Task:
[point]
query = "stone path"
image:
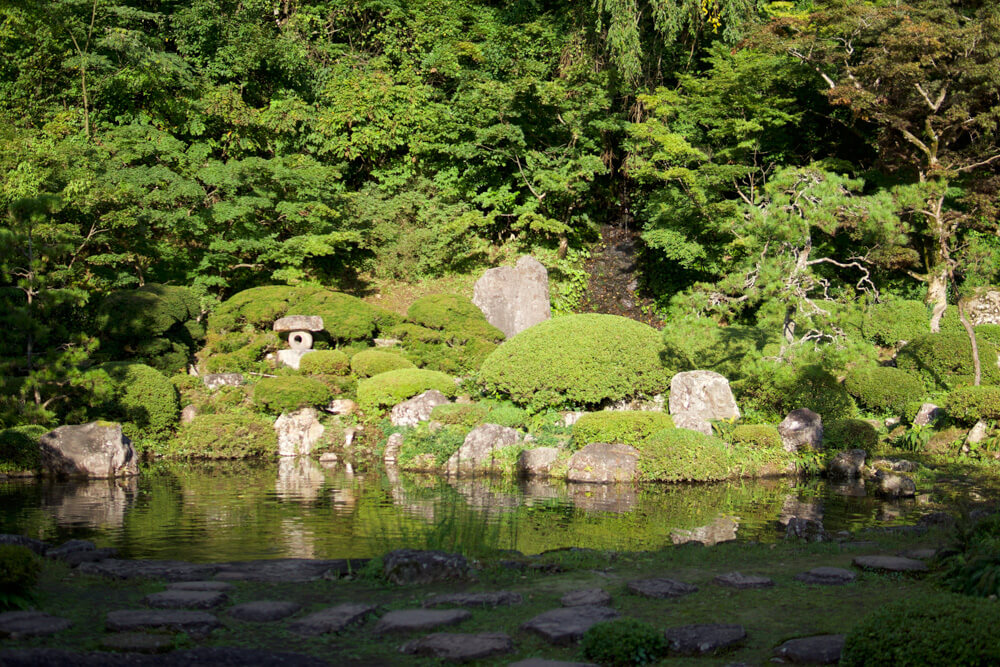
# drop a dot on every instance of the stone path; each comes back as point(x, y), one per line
point(661, 588)
point(460, 647)
point(18, 624)
point(264, 611)
point(494, 599)
point(332, 619)
point(702, 639)
point(567, 625)
point(743, 582)
point(827, 576)
point(412, 620)
point(588, 596)
point(821, 649)
point(191, 622)
point(184, 599)
point(890, 564)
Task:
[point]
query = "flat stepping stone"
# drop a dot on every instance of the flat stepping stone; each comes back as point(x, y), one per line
point(18, 624)
point(231, 656)
point(588, 596)
point(138, 642)
point(920, 554)
point(743, 581)
point(457, 647)
point(168, 570)
point(702, 639)
point(204, 586)
point(661, 588)
point(890, 564)
point(817, 650)
point(566, 625)
point(827, 576)
point(284, 570)
point(180, 599)
point(494, 599)
point(264, 611)
point(174, 620)
point(542, 662)
point(412, 620)
point(332, 619)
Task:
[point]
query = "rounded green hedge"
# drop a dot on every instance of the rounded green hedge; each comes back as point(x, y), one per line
point(456, 315)
point(19, 450)
point(388, 389)
point(850, 434)
point(932, 629)
point(462, 414)
point(507, 414)
point(19, 570)
point(944, 360)
point(884, 388)
point(682, 455)
point(762, 436)
point(147, 312)
point(577, 360)
point(226, 435)
point(369, 363)
point(290, 393)
point(968, 405)
point(144, 398)
point(325, 362)
point(889, 323)
point(623, 642)
point(614, 426)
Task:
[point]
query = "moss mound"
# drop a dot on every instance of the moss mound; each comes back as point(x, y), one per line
point(325, 362)
point(816, 388)
point(577, 360)
point(968, 405)
point(892, 322)
point(290, 393)
point(19, 570)
point(756, 435)
point(144, 399)
point(682, 455)
point(388, 389)
point(459, 318)
point(850, 434)
point(627, 428)
point(372, 362)
point(239, 352)
point(944, 360)
point(229, 435)
point(622, 642)
point(884, 389)
point(19, 449)
point(468, 415)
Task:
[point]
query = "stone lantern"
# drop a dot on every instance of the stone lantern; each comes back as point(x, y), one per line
point(300, 329)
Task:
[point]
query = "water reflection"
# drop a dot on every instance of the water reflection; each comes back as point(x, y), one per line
point(95, 504)
point(300, 479)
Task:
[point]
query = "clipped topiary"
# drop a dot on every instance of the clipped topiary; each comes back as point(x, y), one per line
point(850, 434)
point(884, 389)
point(932, 629)
point(682, 455)
point(455, 315)
point(622, 642)
point(290, 393)
point(325, 362)
point(577, 360)
point(613, 426)
point(226, 435)
point(145, 400)
point(893, 322)
point(507, 414)
point(944, 360)
point(388, 389)
point(762, 436)
point(19, 451)
point(967, 405)
point(372, 362)
point(19, 570)
point(461, 414)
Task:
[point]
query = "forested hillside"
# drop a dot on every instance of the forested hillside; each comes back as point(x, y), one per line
point(784, 161)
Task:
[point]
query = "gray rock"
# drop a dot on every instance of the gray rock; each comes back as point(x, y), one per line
point(983, 307)
point(827, 576)
point(298, 323)
point(693, 422)
point(702, 639)
point(137, 642)
point(18, 624)
point(604, 463)
point(413, 620)
point(799, 528)
point(34, 545)
point(703, 394)
point(927, 415)
point(920, 554)
point(411, 566)
point(391, 453)
point(96, 450)
point(977, 434)
point(417, 409)
point(566, 625)
point(537, 462)
point(895, 465)
point(387, 342)
point(284, 570)
point(458, 647)
point(214, 381)
point(891, 485)
point(570, 418)
point(300, 341)
point(721, 530)
point(69, 548)
point(660, 588)
point(181, 599)
point(817, 650)
point(597, 597)
point(298, 432)
point(514, 298)
point(169, 570)
point(231, 656)
point(742, 582)
point(204, 586)
point(342, 406)
point(889, 564)
point(802, 428)
point(264, 611)
point(198, 623)
point(189, 413)
point(332, 619)
point(478, 451)
point(494, 599)
point(847, 465)
point(89, 556)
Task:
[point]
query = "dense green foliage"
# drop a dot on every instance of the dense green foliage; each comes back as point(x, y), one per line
point(425, 448)
point(577, 360)
point(325, 362)
point(849, 434)
point(388, 389)
point(761, 436)
point(682, 455)
point(372, 362)
point(19, 451)
point(19, 570)
point(228, 435)
point(968, 405)
point(944, 360)
point(143, 399)
point(971, 563)
point(623, 642)
point(290, 393)
point(893, 322)
point(615, 426)
point(883, 389)
point(467, 415)
point(457, 316)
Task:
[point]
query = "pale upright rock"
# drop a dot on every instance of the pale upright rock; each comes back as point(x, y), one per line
point(298, 432)
point(702, 395)
point(417, 409)
point(801, 428)
point(514, 298)
point(604, 463)
point(479, 448)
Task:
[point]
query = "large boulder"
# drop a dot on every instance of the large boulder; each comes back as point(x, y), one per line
point(702, 394)
point(537, 462)
point(413, 566)
point(417, 409)
point(478, 451)
point(802, 428)
point(604, 463)
point(984, 307)
point(298, 432)
point(514, 298)
point(97, 450)
point(848, 464)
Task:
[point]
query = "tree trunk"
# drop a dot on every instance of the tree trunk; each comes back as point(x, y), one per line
point(976, 365)
point(937, 295)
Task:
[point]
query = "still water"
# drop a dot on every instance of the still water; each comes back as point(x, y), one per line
point(297, 508)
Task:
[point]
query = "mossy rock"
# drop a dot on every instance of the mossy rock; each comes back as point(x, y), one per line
point(388, 389)
point(144, 399)
point(468, 415)
point(325, 362)
point(967, 405)
point(459, 318)
point(850, 434)
point(228, 435)
point(614, 426)
point(373, 362)
point(944, 360)
point(577, 360)
point(884, 389)
point(19, 451)
point(290, 393)
point(682, 455)
point(756, 435)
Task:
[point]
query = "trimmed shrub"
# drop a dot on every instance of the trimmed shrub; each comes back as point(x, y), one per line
point(407, 332)
point(944, 360)
point(817, 389)
point(850, 434)
point(577, 360)
point(452, 358)
point(144, 398)
point(19, 570)
point(682, 455)
point(613, 426)
point(19, 449)
point(889, 323)
point(426, 449)
point(884, 389)
point(325, 362)
point(461, 414)
point(763, 436)
point(227, 435)
point(457, 316)
point(388, 389)
point(968, 405)
point(701, 343)
point(247, 357)
point(290, 393)
point(622, 642)
point(932, 629)
point(372, 362)
point(507, 414)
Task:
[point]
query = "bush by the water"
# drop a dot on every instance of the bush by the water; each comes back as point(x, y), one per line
point(944, 360)
point(289, 393)
point(614, 426)
point(756, 435)
point(816, 388)
point(850, 434)
point(19, 570)
point(388, 389)
point(325, 362)
point(144, 399)
point(622, 642)
point(884, 389)
point(461, 414)
point(227, 435)
point(933, 629)
point(425, 448)
point(369, 363)
point(459, 318)
point(968, 405)
point(682, 455)
point(971, 563)
point(19, 449)
point(577, 360)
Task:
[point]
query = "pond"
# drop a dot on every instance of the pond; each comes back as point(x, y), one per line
point(297, 508)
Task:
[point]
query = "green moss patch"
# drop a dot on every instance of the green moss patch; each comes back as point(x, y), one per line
point(373, 362)
point(325, 362)
point(614, 426)
point(968, 405)
point(233, 435)
point(884, 389)
point(388, 389)
point(290, 393)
